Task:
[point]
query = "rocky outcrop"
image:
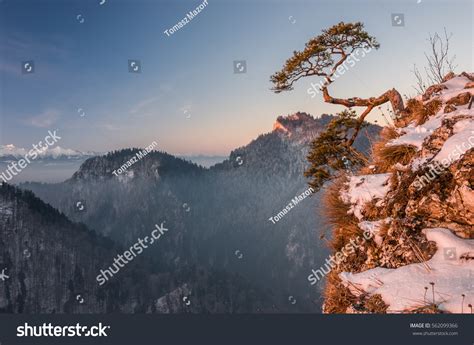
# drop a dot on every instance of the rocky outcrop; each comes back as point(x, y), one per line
point(425, 217)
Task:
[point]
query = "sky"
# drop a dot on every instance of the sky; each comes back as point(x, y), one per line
point(187, 96)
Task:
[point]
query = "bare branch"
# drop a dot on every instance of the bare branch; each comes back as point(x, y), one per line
point(439, 62)
point(420, 86)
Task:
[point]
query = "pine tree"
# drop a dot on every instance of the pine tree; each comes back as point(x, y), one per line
point(329, 152)
point(324, 56)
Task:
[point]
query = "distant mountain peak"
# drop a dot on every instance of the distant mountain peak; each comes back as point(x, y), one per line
point(134, 162)
point(292, 123)
point(10, 151)
point(300, 126)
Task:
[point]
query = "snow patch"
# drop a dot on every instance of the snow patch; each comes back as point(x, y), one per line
point(364, 188)
point(459, 143)
point(455, 86)
point(403, 288)
point(374, 227)
point(416, 135)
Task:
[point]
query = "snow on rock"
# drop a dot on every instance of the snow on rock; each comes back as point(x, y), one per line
point(456, 83)
point(373, 227)
point(364, 188)
point(459, 143)
point(417, 163)
point(415, 135)
point(455, 86)
point(443, 211)
point(451, 270)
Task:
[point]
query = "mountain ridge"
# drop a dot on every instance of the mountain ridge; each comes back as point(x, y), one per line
point(220, 215)
point(11, 152)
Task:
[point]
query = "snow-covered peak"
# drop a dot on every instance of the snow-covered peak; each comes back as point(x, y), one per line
point(10, 151)
point(58, 151)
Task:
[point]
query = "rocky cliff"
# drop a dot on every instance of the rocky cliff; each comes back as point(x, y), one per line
point(403, 235)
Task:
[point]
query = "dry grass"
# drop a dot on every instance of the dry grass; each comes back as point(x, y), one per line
point(388, 133)
point(375, 304)
point(343, 235)
point(429, 109)
point(334, 211)
point(418, 112)
point(337, 297)
point(373, 212)
point(469, 232)
point(387, 156)
point(384, 228)
point(426, 309)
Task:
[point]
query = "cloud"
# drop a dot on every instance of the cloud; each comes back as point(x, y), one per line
point(142, 105)
point(109, 127)
point(21, 45)
point(143, 108)
point(45, 119)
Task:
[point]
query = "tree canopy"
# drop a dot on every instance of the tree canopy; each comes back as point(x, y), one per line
point(323, 54)
point(321, 57)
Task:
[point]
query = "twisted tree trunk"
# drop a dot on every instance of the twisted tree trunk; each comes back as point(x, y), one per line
point(392, 96)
